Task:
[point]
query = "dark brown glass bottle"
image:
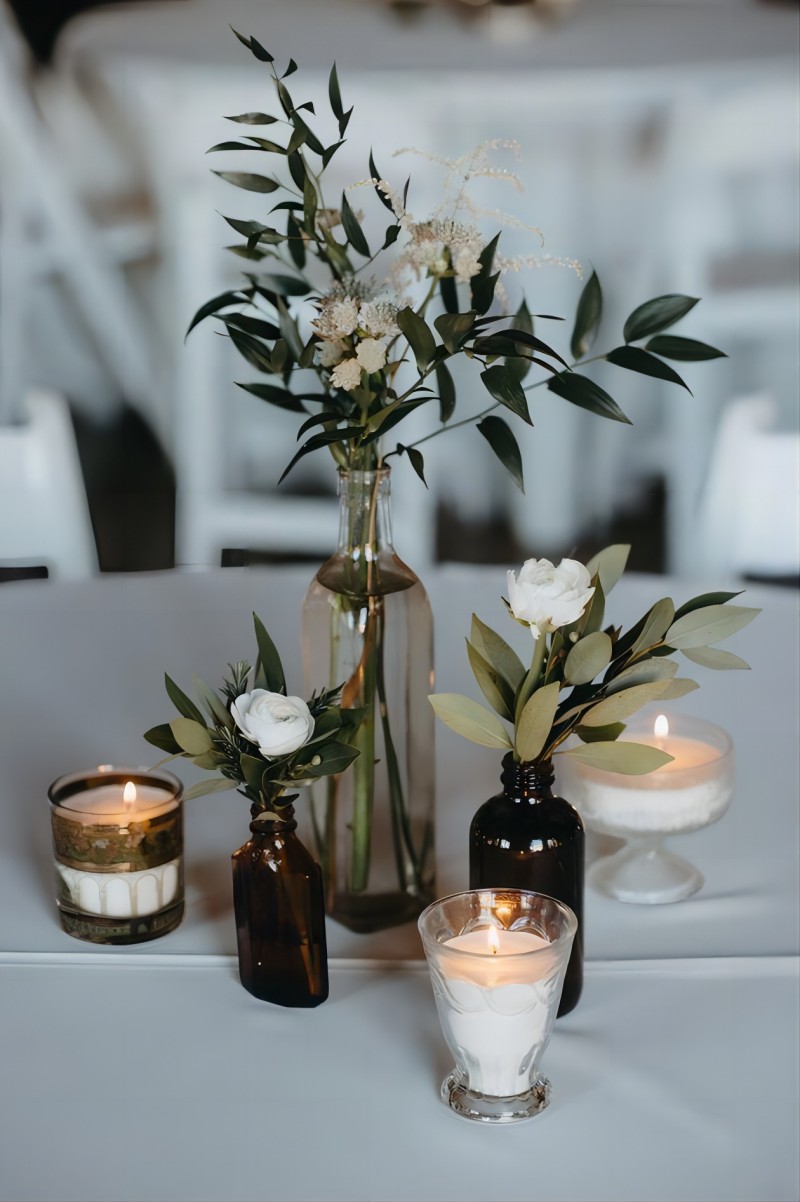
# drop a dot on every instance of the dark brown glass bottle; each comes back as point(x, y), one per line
point(280, 916)
point(525, 838)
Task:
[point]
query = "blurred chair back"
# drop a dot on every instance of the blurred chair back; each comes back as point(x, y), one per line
point(44, 515)
point(749, 521)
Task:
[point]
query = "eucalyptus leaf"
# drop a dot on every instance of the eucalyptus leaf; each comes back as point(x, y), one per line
point(600, 734)
point(495, 649)
point(644, 672)
point(214, 704)
point(419, 336)
point(470, 720)
point(334, 758)
point(704, 600)
point(209, 761)
point(183, 704)
point(713, 657)
point(494, 687)
point(609, 564)
point(583, 392)
point(249, 181)
point(587, 317)
point(163, 738)
point(711, 624)
point(631, 759)
point(588, 658)
point(679, 688)
point(594, 614)
point(686, 350)
point(633, 358)
point(501, 439)
point(190, 736)
point(252, 770)
point(656, 624)
point(621, 705)
point(656, 315)
point(536, 722)
point(208, 786)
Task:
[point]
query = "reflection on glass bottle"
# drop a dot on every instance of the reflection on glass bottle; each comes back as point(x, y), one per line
point(280, 915)
point(525, 838)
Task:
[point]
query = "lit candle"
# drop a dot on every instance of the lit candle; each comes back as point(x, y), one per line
point(118, 843)
point(691, 791)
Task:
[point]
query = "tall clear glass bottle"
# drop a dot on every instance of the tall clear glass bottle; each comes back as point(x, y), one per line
point(367, 625)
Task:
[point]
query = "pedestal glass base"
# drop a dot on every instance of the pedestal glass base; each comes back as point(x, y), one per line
point(647, 874)
point(95, 928)
point(485, 1109)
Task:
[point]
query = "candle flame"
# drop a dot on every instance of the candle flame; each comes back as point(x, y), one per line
point(129, 793)
point(661, 728)
point(494, 941)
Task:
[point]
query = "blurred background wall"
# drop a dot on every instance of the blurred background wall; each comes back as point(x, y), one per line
point(659, 146)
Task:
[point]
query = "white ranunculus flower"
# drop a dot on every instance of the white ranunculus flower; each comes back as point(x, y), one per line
point(329, 353)
point(371, 354)
point(346, 374)
point(547, 597)
point(278, 725)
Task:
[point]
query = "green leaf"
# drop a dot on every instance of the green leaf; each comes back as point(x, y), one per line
point(417, 461)
point(712, 657)
point(252, 350)
point(645, 672)
point(501, 384)
point(324, 439)
point(447, 393)
point(656, 624)
point(254, 47)
point(285, 285)
point(536, 722)
point(704, 600)
point(253, 769)
point(594, 614)
point(208, 786)
point(711, 624)
point(587, 317)
point(274, 396)
point(183, 704)
point(631, 759)
point(686, 350)
point(492, 647)
point(375, 174)
point(209, 761)
point(334, 758)
point(190, 736)
point(253, 119)
point(588, 658)
point(656, 315)
point(678, 688)
point(223, 301)
point(249, 181)
point(621, 705)
point(163, 738)
point(600, 734)
point(354, 232)
point(609, 564)
point(494, 687)
point(633, 358)
point(483, 284)
point(266, 144)
point(497, 343)
point(213, 702)
point(419, 336)
point(251, 325)
point(501, 439)
point(581, 391)
point(454, 328)
point(268, 658)
point(309, 204)
point(470, 720)
point(334, 94)
point(519, 367)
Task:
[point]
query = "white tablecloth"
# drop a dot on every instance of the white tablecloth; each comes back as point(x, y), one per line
point(148, 1073)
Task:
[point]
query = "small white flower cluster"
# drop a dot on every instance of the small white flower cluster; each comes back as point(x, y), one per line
point(438, 245)
point(355, 333)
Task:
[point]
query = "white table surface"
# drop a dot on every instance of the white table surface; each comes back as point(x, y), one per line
point(149, 1074)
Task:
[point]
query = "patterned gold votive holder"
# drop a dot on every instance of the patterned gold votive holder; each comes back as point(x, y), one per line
point(118, 845)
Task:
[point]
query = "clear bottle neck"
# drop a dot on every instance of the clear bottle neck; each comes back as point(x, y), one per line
point(365, 520)
point(527, 781)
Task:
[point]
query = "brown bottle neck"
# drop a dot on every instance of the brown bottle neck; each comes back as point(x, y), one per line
point(283, 822)
point(527, 781)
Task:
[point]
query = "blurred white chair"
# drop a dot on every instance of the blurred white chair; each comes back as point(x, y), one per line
point(749, 519)
point(730, 236)
point(44, 515)
point(48, 230)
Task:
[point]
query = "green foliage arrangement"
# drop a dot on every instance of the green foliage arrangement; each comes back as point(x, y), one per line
point(252, 735)
point(585, 679)
point(371, 356)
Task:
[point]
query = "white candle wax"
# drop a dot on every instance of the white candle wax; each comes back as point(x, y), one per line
point(106, 805)
point(689, 792)
point(501, 1006)
point(122, 894)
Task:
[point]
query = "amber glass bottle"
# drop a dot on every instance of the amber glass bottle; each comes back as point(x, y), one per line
point(280, 916)
point(525, 838)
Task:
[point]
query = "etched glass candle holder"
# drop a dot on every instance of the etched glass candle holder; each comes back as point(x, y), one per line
point(118, 846)
point(497, 959)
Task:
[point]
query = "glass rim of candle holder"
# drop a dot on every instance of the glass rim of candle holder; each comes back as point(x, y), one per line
point(497, 1043)
point(119, 879)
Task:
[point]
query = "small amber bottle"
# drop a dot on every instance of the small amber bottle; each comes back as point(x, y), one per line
point(280, 915)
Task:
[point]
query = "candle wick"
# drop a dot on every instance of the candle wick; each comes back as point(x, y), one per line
point(494, 950)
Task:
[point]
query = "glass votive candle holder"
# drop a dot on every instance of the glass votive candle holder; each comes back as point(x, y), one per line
point(497, 960)
point(118, 847)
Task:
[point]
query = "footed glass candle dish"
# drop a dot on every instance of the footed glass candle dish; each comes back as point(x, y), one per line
point(118, 847)
point(497, 959)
